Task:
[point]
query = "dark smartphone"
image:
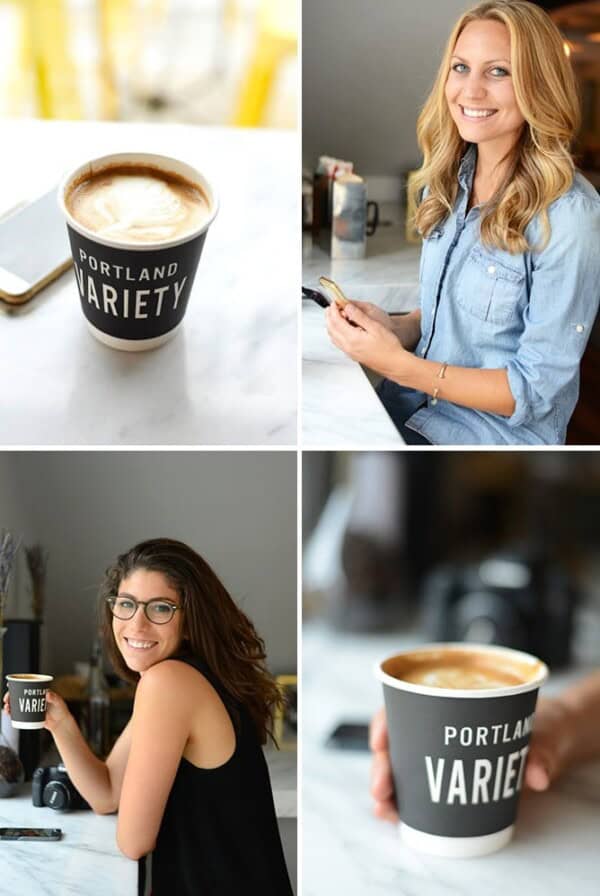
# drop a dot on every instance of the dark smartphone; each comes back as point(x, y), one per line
point(30, 833)
point(34, 249)
point(349, 736)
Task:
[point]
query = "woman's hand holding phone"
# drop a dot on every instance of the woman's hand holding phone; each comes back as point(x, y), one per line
point(370, 342)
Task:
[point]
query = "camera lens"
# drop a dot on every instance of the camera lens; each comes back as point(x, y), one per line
point(56, 796)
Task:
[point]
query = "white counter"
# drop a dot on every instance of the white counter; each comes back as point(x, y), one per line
point(229, 376)
point(346, 850)
point(87, 861)
point(339, 404)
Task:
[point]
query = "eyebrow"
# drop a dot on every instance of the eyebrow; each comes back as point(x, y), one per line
point(485, 63)
point(126, 594)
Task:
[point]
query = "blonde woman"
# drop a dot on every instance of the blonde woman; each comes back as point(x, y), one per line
point(510, 265)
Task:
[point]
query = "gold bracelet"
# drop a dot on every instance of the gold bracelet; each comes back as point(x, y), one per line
point(440, 376)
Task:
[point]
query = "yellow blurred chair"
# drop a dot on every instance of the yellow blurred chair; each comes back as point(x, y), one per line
point(284, 682)
point(276, 40)
point(46, 52)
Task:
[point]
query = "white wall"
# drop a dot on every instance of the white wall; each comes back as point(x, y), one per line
point(368, 66)
point(237, 509)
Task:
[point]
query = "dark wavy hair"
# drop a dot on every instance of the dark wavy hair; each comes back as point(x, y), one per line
point(214, 628)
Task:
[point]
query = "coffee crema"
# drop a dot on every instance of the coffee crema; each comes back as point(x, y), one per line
point(137, 204)
point(460, 669)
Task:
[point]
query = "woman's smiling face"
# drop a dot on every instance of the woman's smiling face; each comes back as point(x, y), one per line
point(143, 643)
point(479, 89)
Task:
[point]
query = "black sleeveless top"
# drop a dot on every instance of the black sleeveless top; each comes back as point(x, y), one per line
point(219, 833)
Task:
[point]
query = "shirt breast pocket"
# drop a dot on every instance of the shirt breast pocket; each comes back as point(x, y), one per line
point(489, 289)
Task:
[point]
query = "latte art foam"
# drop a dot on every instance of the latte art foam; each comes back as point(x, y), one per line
point(138, 205)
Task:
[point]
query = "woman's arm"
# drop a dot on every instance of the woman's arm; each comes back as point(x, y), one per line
point(160, 728)
point(380, 349)
point(98, 782)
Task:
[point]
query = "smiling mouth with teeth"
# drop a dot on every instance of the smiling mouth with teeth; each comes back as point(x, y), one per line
point(477, 113)
point(140, 645)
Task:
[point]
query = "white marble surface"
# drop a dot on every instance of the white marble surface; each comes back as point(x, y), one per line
point(229, 376)
point(87, 861)
point(346, 850)
point(339, 404)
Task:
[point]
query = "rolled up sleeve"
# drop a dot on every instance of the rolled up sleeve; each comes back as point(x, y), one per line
point(563, 302)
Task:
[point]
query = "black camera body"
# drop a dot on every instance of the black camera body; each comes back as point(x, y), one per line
point(52, 787)
point(514, 599)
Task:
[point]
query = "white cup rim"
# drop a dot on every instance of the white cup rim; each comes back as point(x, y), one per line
point(156, 160)
point(31, 676)
point(471, 693)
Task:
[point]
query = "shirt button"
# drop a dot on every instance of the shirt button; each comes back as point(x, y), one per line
point(423, 351)
point(580, 328)
point(492, 269)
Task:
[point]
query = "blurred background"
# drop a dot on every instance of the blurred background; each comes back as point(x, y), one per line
point(498, 548)
point(228, 62)
point(365, 79)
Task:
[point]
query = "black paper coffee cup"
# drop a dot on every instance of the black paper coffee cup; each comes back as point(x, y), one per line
point(134, 296)
point(28, 699)
point(458, 755)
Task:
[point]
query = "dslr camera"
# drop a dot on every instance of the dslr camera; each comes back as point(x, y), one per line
point(52, 787)
point(515, 598)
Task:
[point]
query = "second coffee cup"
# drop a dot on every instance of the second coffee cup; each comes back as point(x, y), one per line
point(459, 720)
point(137, 223)
point(28, 699)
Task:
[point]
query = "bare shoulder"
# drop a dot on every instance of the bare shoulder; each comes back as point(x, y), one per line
point(175, 678)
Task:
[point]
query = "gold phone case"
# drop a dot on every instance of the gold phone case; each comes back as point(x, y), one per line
point(26, 296)
point(334, 289)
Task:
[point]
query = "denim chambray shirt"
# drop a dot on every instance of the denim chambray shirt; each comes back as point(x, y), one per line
point(530, 313)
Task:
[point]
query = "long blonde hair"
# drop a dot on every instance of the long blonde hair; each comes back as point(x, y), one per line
point(540, 167)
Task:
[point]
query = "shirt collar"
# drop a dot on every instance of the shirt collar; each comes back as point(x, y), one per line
point(467, 167)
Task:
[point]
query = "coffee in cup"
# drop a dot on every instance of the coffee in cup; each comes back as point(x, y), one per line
point(459, 719)
point(28, 699)
point(137, 223)
point(137, 203)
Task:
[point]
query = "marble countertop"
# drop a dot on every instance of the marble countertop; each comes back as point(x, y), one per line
point(86, 861)
point(229, 376)
point(339, 404)
point(88, 851)
point(347, 850)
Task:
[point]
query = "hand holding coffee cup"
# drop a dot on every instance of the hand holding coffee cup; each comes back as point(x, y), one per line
point(549, 751)
point(55, 713)
point(459, 719)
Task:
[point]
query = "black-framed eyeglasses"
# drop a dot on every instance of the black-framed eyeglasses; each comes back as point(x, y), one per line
point(159, 610)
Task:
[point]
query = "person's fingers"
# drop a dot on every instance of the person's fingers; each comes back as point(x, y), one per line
point(358, 316)
point(537, 776)
point(386, 811)
point(382, 785)
point(541, 768)
point(378, 733)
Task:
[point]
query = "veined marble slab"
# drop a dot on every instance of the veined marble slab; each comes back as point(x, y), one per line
point(339, 405)
point(346, 850)
point(87, 861)
point(229, 376)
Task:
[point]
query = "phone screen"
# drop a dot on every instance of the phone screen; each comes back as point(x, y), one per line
point(33, 244)
point(30, 833)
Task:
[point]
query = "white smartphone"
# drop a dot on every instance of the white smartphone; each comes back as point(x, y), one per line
point(34, 248)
